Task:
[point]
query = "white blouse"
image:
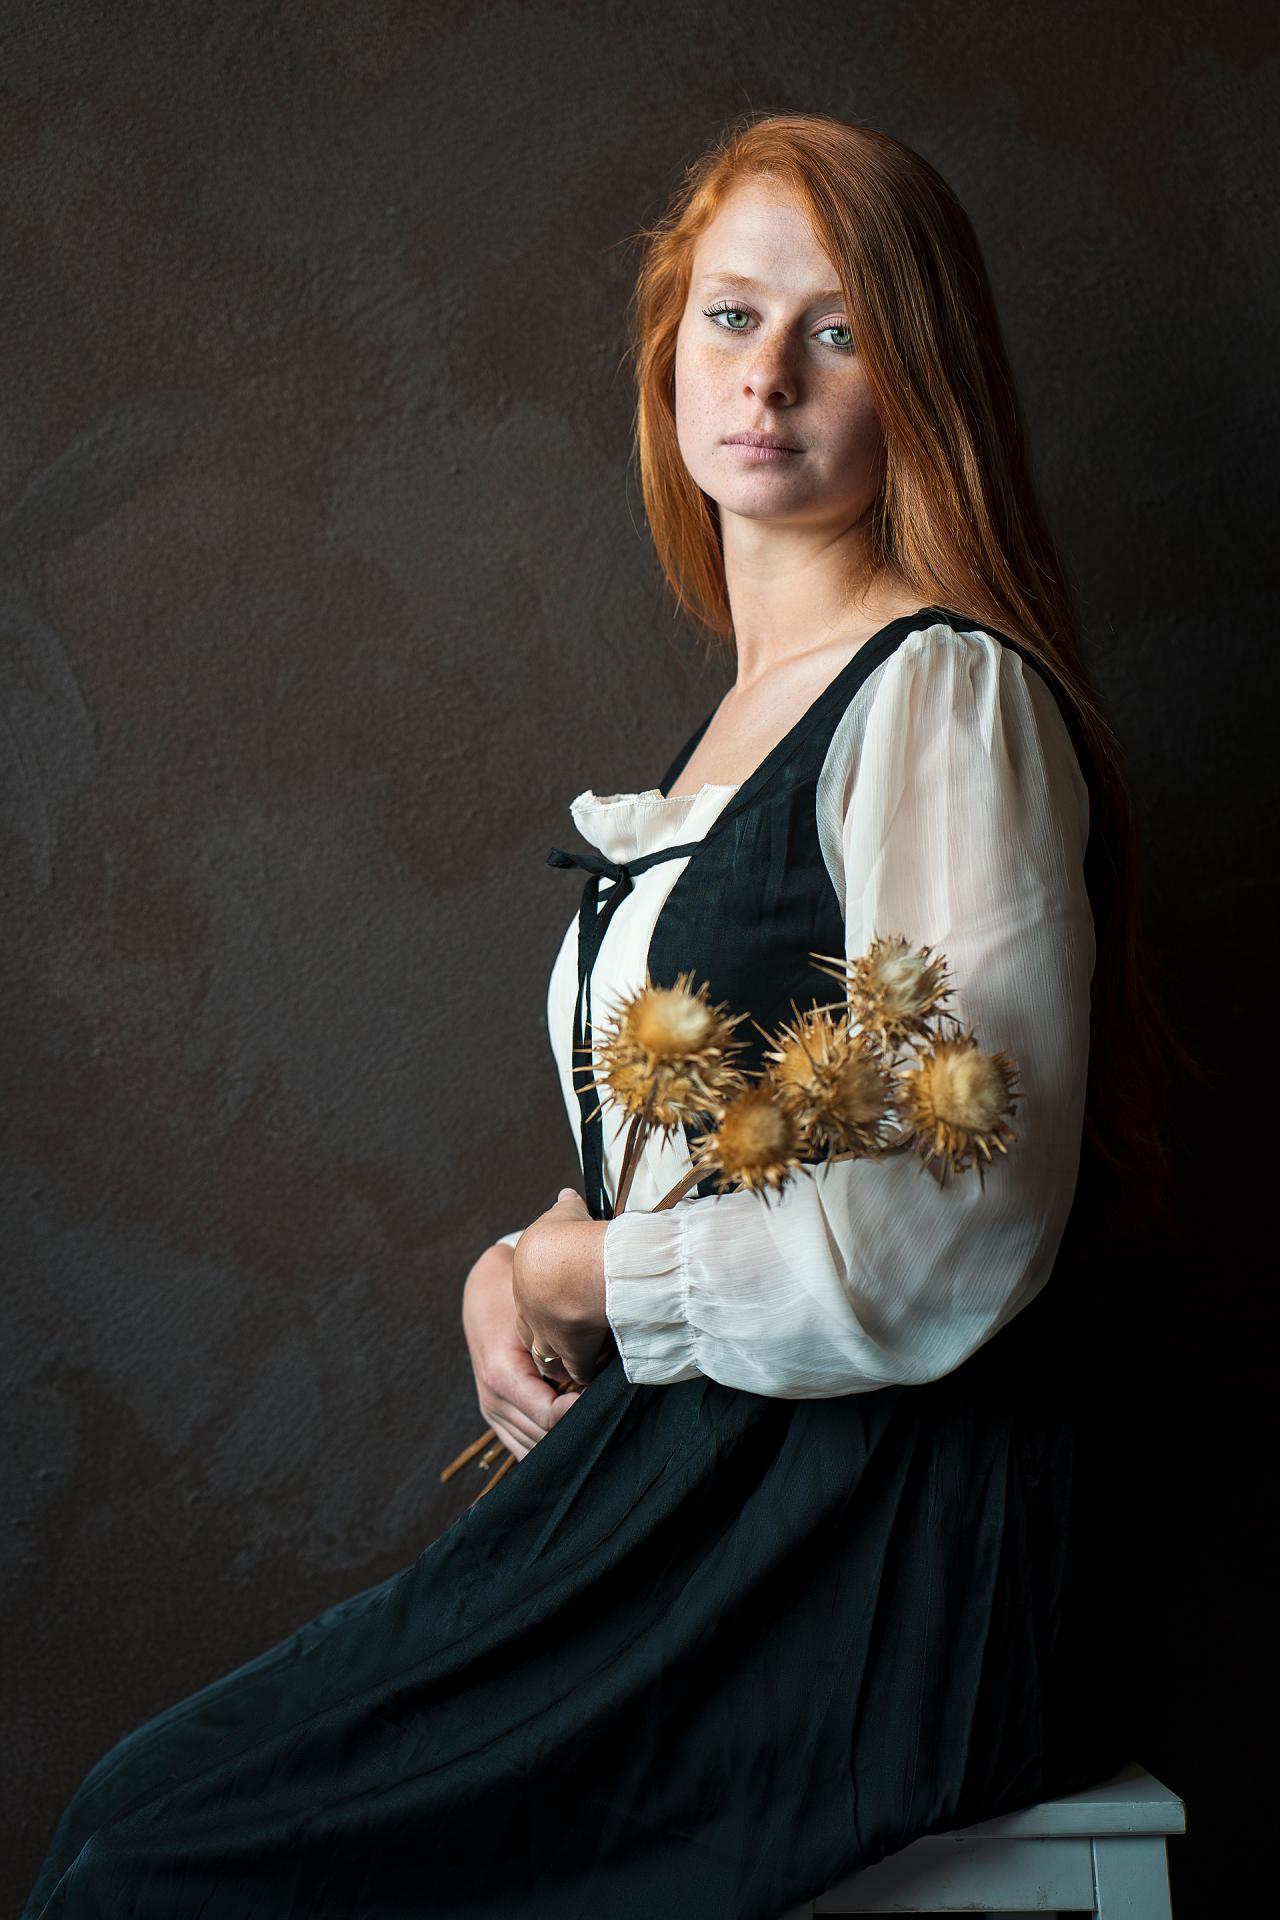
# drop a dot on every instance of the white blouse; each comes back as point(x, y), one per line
point(951, 809)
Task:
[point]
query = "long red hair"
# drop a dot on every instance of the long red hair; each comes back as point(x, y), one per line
point(956, 521)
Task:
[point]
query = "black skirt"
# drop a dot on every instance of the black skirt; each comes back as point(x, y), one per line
point(701, 1652)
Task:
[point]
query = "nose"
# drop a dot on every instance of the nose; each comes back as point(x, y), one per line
point(770, 376)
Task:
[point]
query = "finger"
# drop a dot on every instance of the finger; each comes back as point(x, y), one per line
point(512, 1441)
point(509, 1422)
point(519, 1420)
point(579, 1360)
point(507, 1396)
point(519, 1356)
point(520, 1417)
point(527, 1389)
point(545, 1354)
point(547, 1364)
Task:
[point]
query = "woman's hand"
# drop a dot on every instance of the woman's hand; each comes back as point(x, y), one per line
point(558, 1283)
point(516, 1399)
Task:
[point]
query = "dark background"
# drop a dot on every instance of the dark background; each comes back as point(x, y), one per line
point(324, 587)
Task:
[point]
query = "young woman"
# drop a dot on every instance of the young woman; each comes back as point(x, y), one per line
point(804, 1563)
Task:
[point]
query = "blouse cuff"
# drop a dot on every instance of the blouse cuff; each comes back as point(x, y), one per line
point(646, 1294)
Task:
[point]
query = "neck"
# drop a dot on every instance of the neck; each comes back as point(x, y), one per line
point(796, 592)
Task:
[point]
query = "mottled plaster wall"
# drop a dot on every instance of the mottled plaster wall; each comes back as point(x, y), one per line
point(324, 586)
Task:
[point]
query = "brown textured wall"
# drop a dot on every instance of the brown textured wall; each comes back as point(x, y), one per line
point(324, 587)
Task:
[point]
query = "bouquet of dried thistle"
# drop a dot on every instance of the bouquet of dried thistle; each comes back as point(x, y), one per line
point(886, 1069)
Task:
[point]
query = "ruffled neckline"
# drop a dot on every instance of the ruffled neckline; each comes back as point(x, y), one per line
point(622, 826)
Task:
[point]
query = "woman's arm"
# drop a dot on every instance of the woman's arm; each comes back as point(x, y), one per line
point(952, 811)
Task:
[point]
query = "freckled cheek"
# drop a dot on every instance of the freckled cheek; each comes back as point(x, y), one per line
point(701, 395)
point(860, 434)
point(691, 374)
point(695, 387)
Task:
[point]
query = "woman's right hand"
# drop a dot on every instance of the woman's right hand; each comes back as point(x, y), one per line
point(517, 1401)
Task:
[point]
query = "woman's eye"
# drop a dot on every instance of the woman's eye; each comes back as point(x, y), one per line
point(711, 313)
point(730, 311)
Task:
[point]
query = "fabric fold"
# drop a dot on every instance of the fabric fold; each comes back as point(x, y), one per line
point(646, 1295)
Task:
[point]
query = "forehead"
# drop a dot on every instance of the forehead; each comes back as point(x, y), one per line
point(761, 238)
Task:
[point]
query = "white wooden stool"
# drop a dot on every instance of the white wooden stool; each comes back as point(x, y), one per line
point(1103, 1851)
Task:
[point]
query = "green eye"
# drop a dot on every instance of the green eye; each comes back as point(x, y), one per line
point(742, 314)
point(728, 310)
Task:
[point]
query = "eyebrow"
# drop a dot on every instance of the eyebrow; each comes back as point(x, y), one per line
point(721, 277)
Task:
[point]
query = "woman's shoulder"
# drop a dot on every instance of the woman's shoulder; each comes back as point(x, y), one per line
point(934, 645)
point(950, 665)
point(942, 640)
point(945, 665)
point(967, 632)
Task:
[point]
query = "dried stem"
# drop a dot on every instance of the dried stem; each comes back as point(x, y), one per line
point(637, 1134)
point(679, 1190)
point(469, 1453)
point(506, 1467)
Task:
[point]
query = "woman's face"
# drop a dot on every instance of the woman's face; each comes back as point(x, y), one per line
point(777, 357)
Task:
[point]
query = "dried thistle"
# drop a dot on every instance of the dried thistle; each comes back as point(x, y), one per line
point(756, 1143)
point(954, 1102)
point(665, 1053)
point(893, 990)
point(666, 1056)
point(834, 1081)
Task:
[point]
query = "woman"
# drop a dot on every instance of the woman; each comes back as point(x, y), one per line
point(801, 1563)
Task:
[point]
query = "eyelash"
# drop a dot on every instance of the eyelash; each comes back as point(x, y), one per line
point(729, 306)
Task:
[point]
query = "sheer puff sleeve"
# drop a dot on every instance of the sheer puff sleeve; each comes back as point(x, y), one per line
point(952, 810)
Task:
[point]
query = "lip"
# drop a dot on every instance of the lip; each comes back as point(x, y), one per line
point(754, 438)
point(761, 449)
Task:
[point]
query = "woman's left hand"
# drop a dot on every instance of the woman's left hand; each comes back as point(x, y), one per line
point(558, 1282)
